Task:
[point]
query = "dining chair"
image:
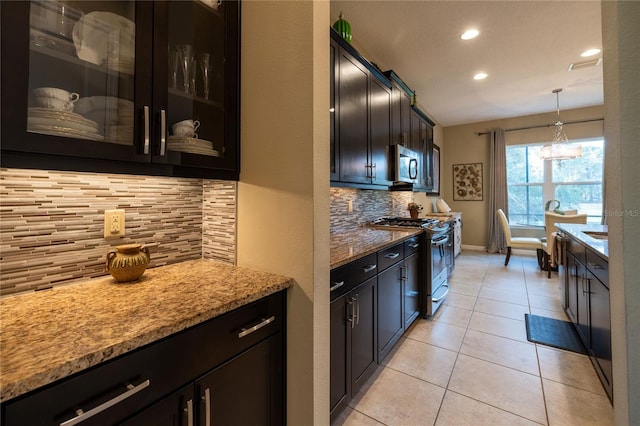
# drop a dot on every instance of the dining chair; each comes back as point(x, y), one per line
point(529, 243)
point(549, 244)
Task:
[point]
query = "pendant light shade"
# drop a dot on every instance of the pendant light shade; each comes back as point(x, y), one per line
point(560, 148)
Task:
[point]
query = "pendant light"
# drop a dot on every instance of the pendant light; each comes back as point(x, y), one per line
point(560, 148)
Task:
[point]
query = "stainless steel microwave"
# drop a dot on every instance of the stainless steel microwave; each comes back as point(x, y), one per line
point(406, 164)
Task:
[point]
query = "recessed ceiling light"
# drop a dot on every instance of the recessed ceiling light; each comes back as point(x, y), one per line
point(469, 34)
point(590, 52)
point(480, 76)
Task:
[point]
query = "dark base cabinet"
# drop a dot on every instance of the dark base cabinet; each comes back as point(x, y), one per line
point(218, 372)
point(588, 304)
point(353, 342)
point(369, 313)
point(411, 289)
point(390, 318)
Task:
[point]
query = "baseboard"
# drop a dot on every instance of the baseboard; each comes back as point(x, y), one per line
point(474, 248)
point(524, 252)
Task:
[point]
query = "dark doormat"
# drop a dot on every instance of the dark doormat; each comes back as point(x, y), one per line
point(553, 332)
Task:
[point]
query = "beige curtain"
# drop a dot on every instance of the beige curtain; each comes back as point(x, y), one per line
point(497, 191)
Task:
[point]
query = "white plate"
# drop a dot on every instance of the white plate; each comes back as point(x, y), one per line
point(194, 150)
point(184, 141)
point(100, 35)
point(39, 121)
point(60, 115)
point(64, 131)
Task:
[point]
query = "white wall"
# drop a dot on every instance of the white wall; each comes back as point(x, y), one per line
point(283, 194)
point(622, 134)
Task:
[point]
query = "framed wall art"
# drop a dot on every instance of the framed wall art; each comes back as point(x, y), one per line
point(436, 171)
point(467, 182)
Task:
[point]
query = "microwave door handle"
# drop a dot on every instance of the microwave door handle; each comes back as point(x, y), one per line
point(413, 168)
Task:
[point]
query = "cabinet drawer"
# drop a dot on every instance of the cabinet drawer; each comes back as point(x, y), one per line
point(350, 275)
point(154, 370)
point(390, 256)
point(598, 267)
point(577, 249)
point(412, 245)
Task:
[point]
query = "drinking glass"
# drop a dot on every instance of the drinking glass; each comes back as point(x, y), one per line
point(186, 60)
point(205, 67)
point(174, 61)
point(192, 77)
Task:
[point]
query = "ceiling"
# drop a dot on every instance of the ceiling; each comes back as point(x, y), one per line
point(524, 46)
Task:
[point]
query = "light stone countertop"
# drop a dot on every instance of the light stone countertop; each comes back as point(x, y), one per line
point(346, 247)
point(577, 231)
point(51, 334)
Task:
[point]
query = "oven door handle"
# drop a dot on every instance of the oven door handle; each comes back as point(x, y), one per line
point(446, 287)
point(441, 242)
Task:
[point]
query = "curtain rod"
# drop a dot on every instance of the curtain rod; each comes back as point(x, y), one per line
point(545, 125)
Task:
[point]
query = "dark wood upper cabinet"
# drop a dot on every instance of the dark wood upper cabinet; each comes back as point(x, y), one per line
point(127, 62)
point(354, 124)
point(334, 69)
point(361, 119)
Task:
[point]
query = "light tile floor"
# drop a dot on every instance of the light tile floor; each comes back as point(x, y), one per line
point(472, 364)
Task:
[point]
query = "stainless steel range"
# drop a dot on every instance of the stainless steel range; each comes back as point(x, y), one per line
point(439, 258)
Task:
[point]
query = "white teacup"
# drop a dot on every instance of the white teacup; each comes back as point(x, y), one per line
point(186, 128)
point(54, 103)
point(55, 93)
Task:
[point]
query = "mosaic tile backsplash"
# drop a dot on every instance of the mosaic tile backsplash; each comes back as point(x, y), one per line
point(51, 223)
point(367, 206)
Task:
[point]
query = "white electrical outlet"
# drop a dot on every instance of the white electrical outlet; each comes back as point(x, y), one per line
point(114, 223)
point(350, 206)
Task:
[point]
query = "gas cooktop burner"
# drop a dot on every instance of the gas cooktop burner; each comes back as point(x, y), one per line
point(427, 224)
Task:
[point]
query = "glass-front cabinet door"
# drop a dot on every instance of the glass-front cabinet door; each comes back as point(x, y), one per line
point(200, 86)
point(121, 83)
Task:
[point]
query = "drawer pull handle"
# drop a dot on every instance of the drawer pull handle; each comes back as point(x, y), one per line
point(391, 255)
point(369, 268)
point(445, 287)
point(262, 323)
point(336, 285)
point(84, 415)
point(414, 245)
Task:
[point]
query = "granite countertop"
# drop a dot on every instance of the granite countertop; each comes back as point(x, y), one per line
point(349, 246)
point(577, 231)
point(51, 334)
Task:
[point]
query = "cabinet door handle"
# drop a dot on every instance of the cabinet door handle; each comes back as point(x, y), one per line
point(391, 255)
point(163, 132)
point(146, 129)
point(189, 411)
point(350, 312)
point(207, 407)
point(373, 170)
point(81, 415)
point(336, 285)
point(369, 268)
point(262, 323)
point(594, 266)
point(356, 310)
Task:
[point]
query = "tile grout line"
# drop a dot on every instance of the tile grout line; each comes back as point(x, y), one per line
point(544, 399)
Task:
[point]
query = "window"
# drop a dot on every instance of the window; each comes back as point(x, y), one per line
point(576, 183)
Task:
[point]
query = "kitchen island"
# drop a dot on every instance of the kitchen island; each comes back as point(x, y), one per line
point(53, 334)
point(584, 278)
